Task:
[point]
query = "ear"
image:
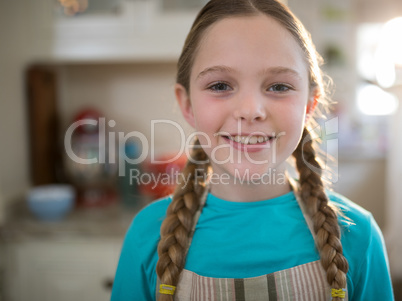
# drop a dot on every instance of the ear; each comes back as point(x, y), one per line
point(312, 104)
point(184, 102)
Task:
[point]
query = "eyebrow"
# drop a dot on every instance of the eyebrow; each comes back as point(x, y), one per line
point(281, 70)
point(271, 71)
point(213, 69)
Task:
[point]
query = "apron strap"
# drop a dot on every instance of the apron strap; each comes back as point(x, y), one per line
point(197, 216)
point(296, 189)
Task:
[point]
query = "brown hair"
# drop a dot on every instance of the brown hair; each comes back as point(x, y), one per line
point(176, 228)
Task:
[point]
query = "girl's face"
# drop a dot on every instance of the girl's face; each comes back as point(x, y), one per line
point(248, 96)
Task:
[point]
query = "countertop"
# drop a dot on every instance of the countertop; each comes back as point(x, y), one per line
point(111, 221)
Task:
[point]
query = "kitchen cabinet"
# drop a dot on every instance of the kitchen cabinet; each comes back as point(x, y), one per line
point(133, 31)
point(72, 259)
point(73, 270)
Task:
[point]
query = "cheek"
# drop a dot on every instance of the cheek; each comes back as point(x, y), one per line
point(204, 120)
point(292, 121)
point(207, 116)
point(292, 114)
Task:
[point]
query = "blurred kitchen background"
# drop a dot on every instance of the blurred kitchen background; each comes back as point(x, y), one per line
point(113, 62)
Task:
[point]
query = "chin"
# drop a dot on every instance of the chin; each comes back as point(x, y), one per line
point(256, 174)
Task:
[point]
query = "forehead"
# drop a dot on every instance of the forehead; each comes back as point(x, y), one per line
point(249, 43)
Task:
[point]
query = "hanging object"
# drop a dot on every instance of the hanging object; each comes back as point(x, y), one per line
point(72, 7)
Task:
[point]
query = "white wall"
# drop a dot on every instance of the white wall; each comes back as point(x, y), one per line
point(13, 136)
point(363, 180)
point(394, 192)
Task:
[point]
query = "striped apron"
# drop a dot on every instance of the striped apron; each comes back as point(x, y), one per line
point(306, 282)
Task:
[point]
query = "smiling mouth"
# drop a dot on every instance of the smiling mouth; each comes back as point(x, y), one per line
point(249, 140)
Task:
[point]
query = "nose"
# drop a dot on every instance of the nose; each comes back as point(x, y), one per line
point(250, 108)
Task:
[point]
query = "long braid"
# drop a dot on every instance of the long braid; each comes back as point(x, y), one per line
point(324, 218)
point(177, 226)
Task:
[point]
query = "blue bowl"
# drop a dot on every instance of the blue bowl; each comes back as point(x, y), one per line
point(51, 202)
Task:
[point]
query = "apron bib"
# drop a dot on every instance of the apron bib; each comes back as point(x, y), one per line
point(306, 282)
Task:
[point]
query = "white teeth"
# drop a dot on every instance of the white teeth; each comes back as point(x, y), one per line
point(248, 139)
point(253, 140)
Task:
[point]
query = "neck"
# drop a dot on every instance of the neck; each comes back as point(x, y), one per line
point(271, 185)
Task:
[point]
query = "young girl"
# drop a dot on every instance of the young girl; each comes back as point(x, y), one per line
point(237, 227)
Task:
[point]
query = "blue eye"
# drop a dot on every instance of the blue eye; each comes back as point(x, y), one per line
point(220, 87)
point(280, 88)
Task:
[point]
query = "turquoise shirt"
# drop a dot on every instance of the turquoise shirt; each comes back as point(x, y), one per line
point(248, 239)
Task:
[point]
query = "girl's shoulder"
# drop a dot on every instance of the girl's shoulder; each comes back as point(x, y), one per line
point(147, 222)
point(349, 212)
point(360, 233)
point(155, 210)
